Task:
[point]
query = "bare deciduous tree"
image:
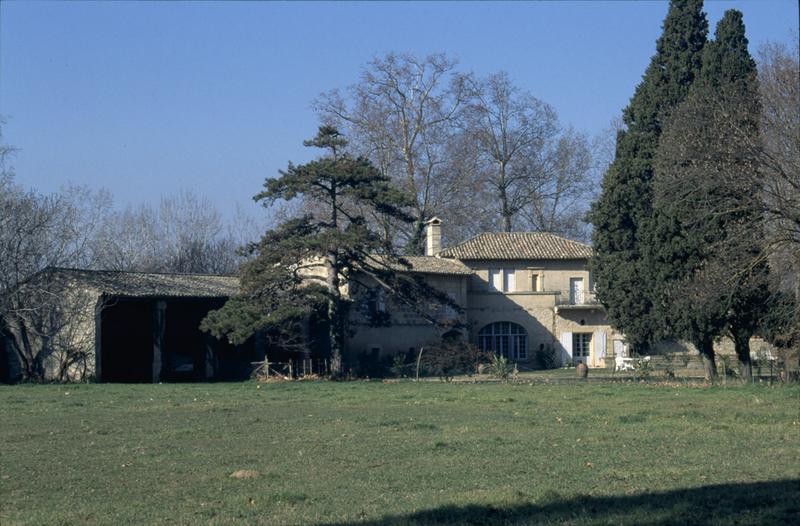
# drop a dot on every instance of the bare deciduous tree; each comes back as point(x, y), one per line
point(49, 322)
point(510, 132)
point(561, 195)
point(779, 86)
point(40, 231)
point(400, 115)
point(185, 233)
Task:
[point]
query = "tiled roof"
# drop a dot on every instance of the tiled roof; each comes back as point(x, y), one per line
point(432, 265)
point(144, 284)
point(436, 265)
point(518, 245)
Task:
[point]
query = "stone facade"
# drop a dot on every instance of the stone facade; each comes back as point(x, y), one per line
point(524, 294)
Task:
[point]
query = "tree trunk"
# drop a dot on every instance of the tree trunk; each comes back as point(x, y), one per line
point(505, 210)
point(706, 348)
point(29, 357)
point(741, 342)
point(416, 245)
point(335, 326)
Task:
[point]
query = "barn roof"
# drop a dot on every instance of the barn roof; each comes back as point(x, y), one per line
point(146, 284)
point(518, 245)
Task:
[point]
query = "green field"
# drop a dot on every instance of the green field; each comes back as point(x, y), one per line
point(399, 453)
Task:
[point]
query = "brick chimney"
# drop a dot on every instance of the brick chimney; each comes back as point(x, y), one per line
point(433, 236)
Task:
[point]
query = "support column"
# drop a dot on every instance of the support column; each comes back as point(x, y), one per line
point(159, 330)
point(98, 340)
point(209, 359)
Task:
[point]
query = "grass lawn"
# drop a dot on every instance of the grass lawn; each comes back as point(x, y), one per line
point(399, 453)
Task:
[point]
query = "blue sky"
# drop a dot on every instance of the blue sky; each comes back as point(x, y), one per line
point(146, 99)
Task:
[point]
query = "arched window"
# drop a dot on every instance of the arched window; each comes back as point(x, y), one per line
point(505, 339)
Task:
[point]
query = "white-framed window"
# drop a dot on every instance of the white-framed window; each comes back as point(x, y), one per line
point(504, 338)
point(536, 282)
point(581, 345)
point(576, 291)
point(502, 280)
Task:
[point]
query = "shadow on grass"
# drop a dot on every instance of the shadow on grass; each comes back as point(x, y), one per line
point(751, 504)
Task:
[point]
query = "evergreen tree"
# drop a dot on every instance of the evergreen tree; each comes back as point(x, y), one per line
point(302, 266)
point(621, 213)
point(704, 241)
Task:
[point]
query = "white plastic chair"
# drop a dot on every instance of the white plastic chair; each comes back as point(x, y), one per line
point(622, 364)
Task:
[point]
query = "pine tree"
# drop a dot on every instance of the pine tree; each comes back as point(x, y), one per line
point(300, 267)
point(621, 213)
point(704, 241)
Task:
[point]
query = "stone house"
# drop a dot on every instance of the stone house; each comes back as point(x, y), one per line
point(521, 293)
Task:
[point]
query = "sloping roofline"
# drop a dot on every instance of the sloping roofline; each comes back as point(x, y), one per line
point(143, 284)
point(518, 245)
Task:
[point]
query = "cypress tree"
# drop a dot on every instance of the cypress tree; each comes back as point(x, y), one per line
point(620, 214)
point(704, 239)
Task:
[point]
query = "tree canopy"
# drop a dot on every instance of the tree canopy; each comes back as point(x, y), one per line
point(704, 243)
point(621, 213)
point(303, 265)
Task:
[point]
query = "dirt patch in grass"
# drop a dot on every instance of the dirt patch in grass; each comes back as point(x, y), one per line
point(244, 474)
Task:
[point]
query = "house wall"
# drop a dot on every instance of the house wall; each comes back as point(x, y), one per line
point(722, 346)
point(588, 321)
point(539, 311)
point(407, 328)
point(59, 330)
point(554, 275)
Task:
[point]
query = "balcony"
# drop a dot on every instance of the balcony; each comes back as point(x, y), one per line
point(577, 300)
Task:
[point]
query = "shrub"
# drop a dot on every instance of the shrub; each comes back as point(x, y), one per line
point(644, 368)
point(669, 367)
point(372, 365)
point(448, 359)
point(728, 368)
point(501, 368)
point(400, 367)
point(547, 357)
point(685, 359)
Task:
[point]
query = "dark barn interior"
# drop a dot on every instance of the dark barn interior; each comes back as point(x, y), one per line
point(159, 339)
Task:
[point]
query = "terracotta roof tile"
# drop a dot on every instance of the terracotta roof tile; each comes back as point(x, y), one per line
point(518, 245)
point(437, 265)
point(433, 265)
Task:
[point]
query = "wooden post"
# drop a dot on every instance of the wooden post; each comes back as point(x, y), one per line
point(209, 359)
point(159, 330)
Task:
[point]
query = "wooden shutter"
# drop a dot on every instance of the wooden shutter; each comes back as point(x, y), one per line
point(599, 347)
point(566, 347)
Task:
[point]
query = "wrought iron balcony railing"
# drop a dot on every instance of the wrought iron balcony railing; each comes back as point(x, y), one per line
point(577, 298)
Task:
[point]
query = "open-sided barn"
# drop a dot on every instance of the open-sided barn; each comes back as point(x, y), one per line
point(121, 327)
